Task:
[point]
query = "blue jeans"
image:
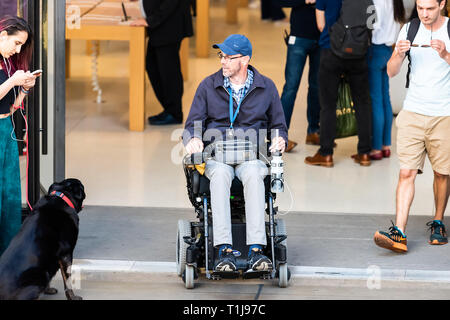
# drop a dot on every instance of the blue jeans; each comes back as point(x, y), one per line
point(378, 58)
point(295, 63)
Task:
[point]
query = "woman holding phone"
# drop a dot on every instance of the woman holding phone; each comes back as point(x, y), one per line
point(16, 47)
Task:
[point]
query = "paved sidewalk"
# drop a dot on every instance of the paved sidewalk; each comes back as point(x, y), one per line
point(170, 287)
point(125, 243)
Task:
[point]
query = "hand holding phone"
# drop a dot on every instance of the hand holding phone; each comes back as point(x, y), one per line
point(37, 73)
point(31, 81)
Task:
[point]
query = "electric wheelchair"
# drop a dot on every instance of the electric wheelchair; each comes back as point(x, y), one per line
point(195, 252)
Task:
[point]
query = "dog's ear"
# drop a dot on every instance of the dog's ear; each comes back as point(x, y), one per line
point(80, 192)
point(79, 196)
point(56, 186)
point(76, 189)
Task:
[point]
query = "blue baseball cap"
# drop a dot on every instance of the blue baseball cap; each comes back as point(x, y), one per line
point(235, 44)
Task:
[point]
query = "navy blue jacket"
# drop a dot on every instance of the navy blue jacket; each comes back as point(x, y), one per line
point(260, 109)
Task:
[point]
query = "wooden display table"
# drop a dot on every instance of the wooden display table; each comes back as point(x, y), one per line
point(203, 45)
point(104, 20)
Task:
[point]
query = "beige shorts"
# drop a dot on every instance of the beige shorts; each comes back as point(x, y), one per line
point(418, 135)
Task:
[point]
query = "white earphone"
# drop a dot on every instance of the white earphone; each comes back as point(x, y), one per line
point(8, 72)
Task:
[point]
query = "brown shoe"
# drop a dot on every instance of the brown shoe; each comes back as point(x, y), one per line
point(320, 160)
point(362, 159)
point(291, 145)
point(313, 139)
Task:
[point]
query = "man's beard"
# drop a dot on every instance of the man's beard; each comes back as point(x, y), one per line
point(230, 73)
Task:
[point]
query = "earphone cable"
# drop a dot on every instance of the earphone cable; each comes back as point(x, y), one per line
point(8, 70)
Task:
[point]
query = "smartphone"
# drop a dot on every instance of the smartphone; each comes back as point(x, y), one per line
point(37, 72)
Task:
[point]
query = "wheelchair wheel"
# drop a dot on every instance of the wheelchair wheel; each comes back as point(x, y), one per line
point(283, 270)
point(184, 230)
point(189, 277)
point(283, 275)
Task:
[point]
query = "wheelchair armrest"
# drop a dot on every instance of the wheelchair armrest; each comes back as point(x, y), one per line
point(194, 158)
point(195, 179)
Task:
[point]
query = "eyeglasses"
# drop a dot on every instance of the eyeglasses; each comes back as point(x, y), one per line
point(424, 45)
point(227, 58)
point(421, 46)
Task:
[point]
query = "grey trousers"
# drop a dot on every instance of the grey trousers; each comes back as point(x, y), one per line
point(251, 174)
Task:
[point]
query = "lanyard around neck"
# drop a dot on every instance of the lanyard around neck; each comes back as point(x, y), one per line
point(234, 115)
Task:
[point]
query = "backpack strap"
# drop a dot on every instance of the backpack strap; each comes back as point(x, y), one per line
point(448, 27)
point(412, 32)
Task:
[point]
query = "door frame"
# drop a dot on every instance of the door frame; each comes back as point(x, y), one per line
point(38, 99)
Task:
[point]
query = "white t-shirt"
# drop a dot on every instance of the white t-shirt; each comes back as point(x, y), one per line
point(237, 87)
point(386, 29)
point(429, 90)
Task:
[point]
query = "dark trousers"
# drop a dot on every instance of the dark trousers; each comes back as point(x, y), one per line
point(164, 71)
point(330, 71)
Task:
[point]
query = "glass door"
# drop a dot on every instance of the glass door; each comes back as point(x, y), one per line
point(46, 103)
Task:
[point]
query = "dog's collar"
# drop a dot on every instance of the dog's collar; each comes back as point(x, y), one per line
point(64, 197)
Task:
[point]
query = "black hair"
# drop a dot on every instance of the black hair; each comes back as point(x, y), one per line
point(399, 11)
point(12, 25)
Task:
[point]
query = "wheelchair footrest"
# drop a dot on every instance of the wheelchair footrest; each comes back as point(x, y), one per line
point(225, 275)
point(251, 274)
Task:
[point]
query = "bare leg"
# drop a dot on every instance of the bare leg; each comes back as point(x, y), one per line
point(405, 196)
point(441, 188)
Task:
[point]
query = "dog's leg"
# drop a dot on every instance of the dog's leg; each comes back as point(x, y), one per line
point(64, 265)
point(50, 291)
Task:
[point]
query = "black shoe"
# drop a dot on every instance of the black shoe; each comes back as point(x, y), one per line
point(227, 261)
point(166, 119)
point(259, 262)
point(438, 234)
point(157, 117)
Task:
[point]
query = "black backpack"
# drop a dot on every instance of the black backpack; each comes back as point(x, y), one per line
point(350, 36)
point(414, 26)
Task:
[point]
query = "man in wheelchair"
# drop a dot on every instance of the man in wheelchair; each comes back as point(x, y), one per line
point(237, 98)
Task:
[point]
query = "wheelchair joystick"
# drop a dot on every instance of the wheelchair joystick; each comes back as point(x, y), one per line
point(276, 173)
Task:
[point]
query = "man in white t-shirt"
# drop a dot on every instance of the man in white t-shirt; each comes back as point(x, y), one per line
point(424, 123)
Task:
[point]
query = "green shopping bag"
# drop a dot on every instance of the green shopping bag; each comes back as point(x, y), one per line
point(346, 125)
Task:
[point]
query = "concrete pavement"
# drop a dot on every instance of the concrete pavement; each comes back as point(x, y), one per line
point(170, 287)
point(130, 244)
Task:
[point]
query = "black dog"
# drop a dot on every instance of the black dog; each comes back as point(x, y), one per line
point(44, 244)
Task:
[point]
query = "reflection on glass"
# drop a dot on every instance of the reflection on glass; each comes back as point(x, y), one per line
point(21, 8)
